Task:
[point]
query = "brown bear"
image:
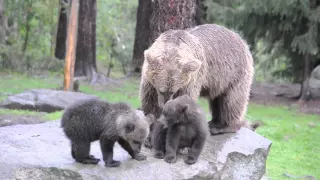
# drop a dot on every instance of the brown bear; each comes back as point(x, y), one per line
point(207, 60)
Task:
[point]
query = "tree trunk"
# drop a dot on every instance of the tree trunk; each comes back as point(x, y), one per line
point(141, 41)
point(171, 14)
point(85, 64)
point(2, 23)
point(60, 50)
point(71, 46)
point(201, 12)
point(28, 19)
point(305, 89)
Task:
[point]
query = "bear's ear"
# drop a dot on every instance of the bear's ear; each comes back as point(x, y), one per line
point(129, 128)
point(152, 62)
point(190, 66)
point(183, 108)
point(150, 118)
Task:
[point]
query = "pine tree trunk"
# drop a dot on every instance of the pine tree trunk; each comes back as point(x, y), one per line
point(85, 64)
point(71, 46)
point(141, 41)
point(171, 14)
point(61, 38)
point(305, 89)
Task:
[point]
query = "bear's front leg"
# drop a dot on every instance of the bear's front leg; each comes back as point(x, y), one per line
point(228, 110)
point(135, 155)
point(149, 104)
point(172, 144)
point(107, 152)
point(158, 139)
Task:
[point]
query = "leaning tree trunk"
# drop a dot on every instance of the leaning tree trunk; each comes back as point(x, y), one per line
point(305, 88)
point(141, 41)
point(71, 46)
point(61, 38)
point(171, 14)
point(85, 64)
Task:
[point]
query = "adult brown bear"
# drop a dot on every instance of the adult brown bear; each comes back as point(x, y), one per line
point(207, 60)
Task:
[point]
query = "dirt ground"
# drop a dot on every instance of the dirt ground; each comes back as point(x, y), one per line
point(283, 94)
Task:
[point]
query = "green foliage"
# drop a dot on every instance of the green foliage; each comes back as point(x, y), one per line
point(289, 29)
point(116, 22)
point(38, 20)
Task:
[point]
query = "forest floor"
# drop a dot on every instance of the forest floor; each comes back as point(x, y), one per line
point(294, 129)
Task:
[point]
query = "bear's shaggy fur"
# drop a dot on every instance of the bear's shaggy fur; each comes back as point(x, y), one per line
point(89, 120)
point(184, 126)
point(207, 60)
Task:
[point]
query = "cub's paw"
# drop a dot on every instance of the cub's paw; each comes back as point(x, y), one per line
point(147, 143)
point(170, 159)
point(93, 158)
point(159, 155)
point(190, 160)
point(140, 157)
point(184, 151)
point(113, 164)
point(89, 161)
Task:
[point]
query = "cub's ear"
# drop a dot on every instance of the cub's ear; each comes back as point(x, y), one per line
point(191, 66)
point(129, 128)
point(150, 118)
point(183, 108)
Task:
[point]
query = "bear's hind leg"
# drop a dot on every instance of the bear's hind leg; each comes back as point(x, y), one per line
point(80, 152)
point(228, 110)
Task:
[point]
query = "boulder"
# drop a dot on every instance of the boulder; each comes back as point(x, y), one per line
point(41, 151)
point(45, 100)
point(314, 82)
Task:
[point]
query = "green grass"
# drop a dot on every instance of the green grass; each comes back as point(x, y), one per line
point(295, 145)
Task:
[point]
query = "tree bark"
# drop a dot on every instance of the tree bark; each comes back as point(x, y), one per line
point(71, 46)
point(171, 14)
point(141, 41)
point(85, 64)
point(60, 50)
point(305, 88)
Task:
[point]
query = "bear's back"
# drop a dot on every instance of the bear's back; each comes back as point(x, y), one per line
point(84, 119)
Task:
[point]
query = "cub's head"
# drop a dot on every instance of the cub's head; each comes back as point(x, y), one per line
point(174, 110)
point(134, 128)
point(169, 68)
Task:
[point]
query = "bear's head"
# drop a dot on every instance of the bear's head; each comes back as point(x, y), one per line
point(174, 110)
point(134, 128)
point(170, 67)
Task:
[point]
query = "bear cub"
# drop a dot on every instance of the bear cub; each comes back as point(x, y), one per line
point(92, 119)
point(182, 124)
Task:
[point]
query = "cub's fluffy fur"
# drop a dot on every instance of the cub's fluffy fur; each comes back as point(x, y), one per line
point(182, 124)
point(89, 120)
point(207, 60)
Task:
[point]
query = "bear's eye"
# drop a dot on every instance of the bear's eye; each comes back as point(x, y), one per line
point(136, 142)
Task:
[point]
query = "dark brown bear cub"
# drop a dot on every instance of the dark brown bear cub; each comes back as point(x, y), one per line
point(90, 120)
point(183, 125)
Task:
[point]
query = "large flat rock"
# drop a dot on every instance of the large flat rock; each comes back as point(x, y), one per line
point(45, 100)
point(41, 151)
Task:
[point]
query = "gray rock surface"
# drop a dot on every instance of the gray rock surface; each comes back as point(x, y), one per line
point(314, 82)
point(41, 151)
point(45, 100)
